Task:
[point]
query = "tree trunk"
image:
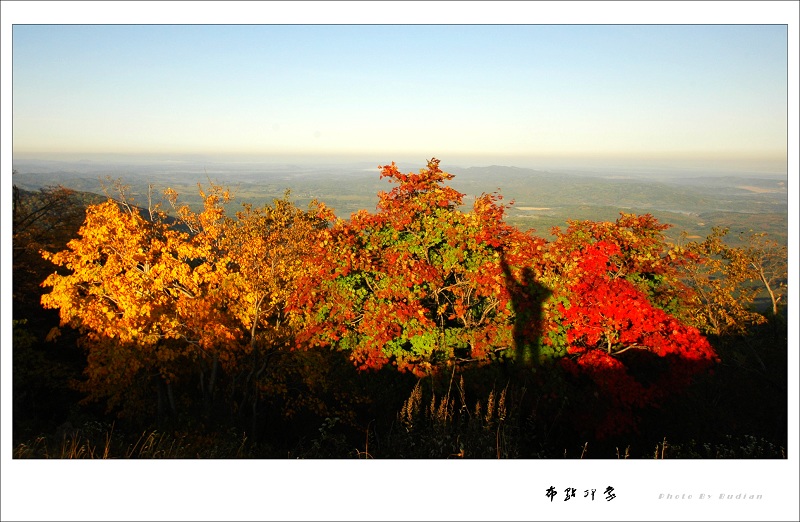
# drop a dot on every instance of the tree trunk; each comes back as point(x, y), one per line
point(160, 396)
point(254, 430)
point(213, 379)
point(771, 293)
point(171, 398)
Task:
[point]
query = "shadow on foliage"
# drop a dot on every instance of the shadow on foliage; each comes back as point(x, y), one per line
point(527, 297)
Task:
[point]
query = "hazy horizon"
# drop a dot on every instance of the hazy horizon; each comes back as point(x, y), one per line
point(667, 167)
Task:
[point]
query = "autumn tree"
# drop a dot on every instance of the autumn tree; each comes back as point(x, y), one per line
point(726, 281)
point(266, 251)
point(192, 298)
point(767, 263)
point(146, 296)
point(616, 296)
point(419, 283)
point(721, 279)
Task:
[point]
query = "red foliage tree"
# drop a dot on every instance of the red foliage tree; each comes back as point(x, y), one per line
point(610, 280)
point(419, 283)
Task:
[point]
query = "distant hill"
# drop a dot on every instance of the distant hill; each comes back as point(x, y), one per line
point(84, 199)
point(542, 198)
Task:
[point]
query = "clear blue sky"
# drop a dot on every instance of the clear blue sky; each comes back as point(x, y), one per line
point(495, 90)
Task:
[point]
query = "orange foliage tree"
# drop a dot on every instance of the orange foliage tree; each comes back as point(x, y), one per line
point(419, 283)
point(266, 250)
point(144, 294)
point(183, 299)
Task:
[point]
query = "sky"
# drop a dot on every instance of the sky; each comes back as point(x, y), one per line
point(686, 94)
point(578, 81)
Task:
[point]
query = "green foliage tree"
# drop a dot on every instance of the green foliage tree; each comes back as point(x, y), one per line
point(419, 284)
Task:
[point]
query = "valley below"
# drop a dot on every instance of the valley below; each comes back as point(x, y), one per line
point(692, 202)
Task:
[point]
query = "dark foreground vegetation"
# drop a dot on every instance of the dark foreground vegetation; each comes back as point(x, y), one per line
point(420, 330)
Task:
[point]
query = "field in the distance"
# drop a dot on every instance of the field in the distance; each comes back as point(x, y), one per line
point(691, 202)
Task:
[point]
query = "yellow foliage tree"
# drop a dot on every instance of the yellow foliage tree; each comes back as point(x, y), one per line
point(767, 262)
point(162, 300)
point(144, 294)
point(266, 250)
point(721, 280)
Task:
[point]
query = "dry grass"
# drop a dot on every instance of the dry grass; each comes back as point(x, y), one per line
point(99, 440)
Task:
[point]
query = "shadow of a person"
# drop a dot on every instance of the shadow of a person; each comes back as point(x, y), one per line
point(527, 297)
